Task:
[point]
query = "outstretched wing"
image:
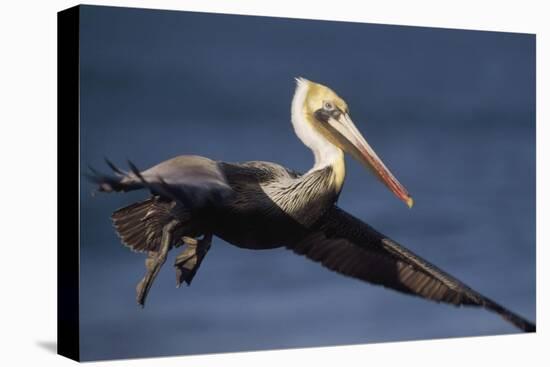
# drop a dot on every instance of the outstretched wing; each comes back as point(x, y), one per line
point(347, 245)
point(193, 181)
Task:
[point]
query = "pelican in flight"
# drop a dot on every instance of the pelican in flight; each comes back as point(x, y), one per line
point(262, 205)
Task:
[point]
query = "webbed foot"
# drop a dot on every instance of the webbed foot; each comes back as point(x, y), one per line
point(154, 263)
point(189, 260)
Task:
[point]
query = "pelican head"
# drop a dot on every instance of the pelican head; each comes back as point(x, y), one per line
point(322, 121)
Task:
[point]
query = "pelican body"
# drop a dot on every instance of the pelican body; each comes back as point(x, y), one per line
point(262, 205)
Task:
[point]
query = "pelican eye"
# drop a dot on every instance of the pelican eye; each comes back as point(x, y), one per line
point(327, 106)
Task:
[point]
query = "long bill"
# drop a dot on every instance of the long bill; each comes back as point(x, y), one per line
point(353, 143)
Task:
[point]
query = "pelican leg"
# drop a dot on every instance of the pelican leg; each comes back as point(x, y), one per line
point(188, 261)
point(154, 262)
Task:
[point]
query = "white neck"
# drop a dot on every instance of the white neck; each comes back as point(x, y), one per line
point(324, 152)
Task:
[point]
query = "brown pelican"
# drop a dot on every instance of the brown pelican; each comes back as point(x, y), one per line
point(262, 205)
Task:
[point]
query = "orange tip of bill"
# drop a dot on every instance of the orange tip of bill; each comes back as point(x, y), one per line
point(410, 202)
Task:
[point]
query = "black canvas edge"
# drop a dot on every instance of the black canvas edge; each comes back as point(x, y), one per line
point(68, 183)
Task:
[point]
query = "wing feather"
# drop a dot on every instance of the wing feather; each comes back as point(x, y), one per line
point(193, 181)
point(347, 245)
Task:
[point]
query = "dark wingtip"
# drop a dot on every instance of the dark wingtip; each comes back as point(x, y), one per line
point(135, 170)
point(515, 319)
point(520, 322)
point(93, 175)
point(529, 327)
point(113, 167)
point(98, 178)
